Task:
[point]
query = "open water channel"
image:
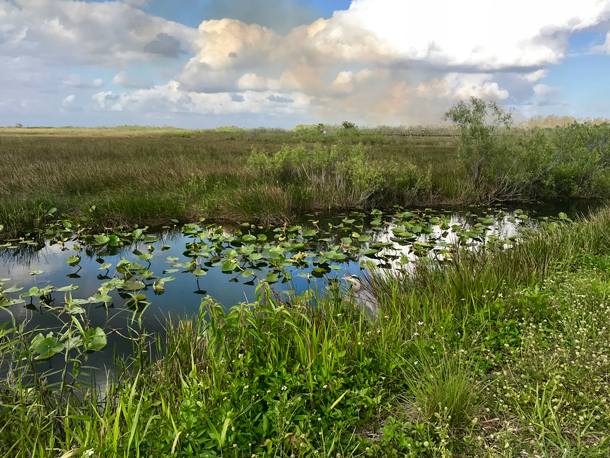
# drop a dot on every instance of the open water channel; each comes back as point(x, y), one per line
point(175, 267)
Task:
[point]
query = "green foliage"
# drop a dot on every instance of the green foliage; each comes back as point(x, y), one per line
point(501, 351)
point(568, 161)
point(341, 171)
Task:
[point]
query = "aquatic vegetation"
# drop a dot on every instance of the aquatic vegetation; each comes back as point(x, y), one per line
point(480, 335)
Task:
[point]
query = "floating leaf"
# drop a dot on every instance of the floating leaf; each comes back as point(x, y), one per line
point(100, 298)
point(248, 238)
point(47, 347)
point(67, 288)
point(105, 266)
point(199, 272)
point(95, 339)
point(271, 278)
point(133, 285)
point(73, 260)
point(36, 272)
point(12, 289)
point(102, 239)
point(247, 274)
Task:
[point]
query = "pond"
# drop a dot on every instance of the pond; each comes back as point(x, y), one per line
point(124, 276)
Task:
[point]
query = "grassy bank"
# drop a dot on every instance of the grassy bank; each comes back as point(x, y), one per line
point(502, 352)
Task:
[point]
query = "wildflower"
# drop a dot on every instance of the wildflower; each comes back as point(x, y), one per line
point(234, 445)
point(268, 391)
point(89, 452)
point(284, 388)
point(200, 384)
point(246, 387)
point(416, 362)
point(420, 323)
point(426, 444)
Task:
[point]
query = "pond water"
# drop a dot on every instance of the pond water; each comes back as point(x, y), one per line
point(113, 276)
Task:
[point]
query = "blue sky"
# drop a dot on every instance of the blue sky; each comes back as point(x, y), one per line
point(204, 63)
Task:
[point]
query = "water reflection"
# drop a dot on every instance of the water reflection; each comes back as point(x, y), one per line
point(183, 295)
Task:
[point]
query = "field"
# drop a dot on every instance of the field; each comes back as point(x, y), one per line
point(153, 176)
point(127, 176)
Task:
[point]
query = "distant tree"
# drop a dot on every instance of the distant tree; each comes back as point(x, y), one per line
point(19, 125)
point(348, 125)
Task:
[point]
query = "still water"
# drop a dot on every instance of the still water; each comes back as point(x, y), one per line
point(227, 264)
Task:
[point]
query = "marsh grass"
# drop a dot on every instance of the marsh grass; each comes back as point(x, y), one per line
point(141, 176)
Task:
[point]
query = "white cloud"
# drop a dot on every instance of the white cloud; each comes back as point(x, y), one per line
point(380, 61)
point(124, 80)
point(537, 75)
point(171, 98)
point(68, 32)
point(68, 100)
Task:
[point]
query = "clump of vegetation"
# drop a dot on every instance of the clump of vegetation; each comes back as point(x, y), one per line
point(346, 177)
point(566, 162)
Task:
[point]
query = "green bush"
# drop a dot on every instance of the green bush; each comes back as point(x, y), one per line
point(565, 162)
point(347, 171)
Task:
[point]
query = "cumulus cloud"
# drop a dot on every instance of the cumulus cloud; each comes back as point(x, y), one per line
point(172, 98)
point(66, 32)
point(164, 45)
point(405, 47)
point(68, 100)
point(380, 61)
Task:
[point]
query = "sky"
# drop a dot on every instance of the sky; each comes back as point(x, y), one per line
point(280, 63)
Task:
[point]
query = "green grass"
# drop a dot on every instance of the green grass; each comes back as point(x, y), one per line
point(128, 175)
point(152, 176)
point(502, 352)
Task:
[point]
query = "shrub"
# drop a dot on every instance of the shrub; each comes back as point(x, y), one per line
point(349, 172)
point(566, 162)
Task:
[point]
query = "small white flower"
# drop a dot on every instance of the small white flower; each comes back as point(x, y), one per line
point(89, 452)
point(420, 323)
point(284, 388)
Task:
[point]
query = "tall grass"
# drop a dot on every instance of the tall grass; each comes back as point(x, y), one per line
point(140, 176)
point(312, 376)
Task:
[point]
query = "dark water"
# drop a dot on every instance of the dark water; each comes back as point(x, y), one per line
point(183, 295)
